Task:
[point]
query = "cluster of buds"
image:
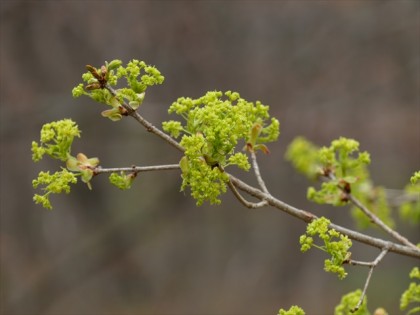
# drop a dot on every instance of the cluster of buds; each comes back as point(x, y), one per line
point(100, 75)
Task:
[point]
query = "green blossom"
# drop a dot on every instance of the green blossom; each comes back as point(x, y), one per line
point(122, 181)
point(335, 244)
point(139, 77)
point(241, 160)
point(55, 140)
point(56, 183)
point(415, 178)
point(305, 157)
point(294, 310)
point(214, 125)
point(174, 128)
point(345, 169)
point(330, 193)
point(348, 303)
point(206, 182)
point(412, 294)
point(78, 91)
point(410, 208)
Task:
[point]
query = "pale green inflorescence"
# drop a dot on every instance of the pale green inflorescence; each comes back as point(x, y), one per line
point(294, 310)
point(214, 125)
point(55, 183)
point(410, 207)
point(415, 178)
point(55, 140)
point(348, 303)
point(335, 244)
point(346, 170)
point(412, 294)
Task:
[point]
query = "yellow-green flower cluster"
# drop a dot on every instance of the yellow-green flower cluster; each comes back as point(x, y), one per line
point(410, 208)
point(345, 169)
point(412, 294)
point(305, 158)
point(55, 183)
point(214, 125)
point(294, 310)
point(55, 140)
point(335, 244)
point(348, 303)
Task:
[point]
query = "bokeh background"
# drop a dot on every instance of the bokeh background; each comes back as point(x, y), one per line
point(326, 68)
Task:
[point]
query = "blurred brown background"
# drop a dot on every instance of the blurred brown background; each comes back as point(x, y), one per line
point(326, 68)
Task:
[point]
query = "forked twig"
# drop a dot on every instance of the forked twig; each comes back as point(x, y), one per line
point(374, 218)
point(371, 265)
point(246, 203)
point(257, 172)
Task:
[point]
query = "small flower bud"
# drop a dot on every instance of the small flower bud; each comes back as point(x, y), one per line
point(94, 71)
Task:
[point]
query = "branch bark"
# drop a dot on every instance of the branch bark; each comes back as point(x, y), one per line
point(137, 169)
point(256, 168)
point(309, 217)
point(380, 223)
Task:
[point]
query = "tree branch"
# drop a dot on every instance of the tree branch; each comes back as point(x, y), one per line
point(375, 219)
point(309, 217)
point(380, 223)
point(270, 200)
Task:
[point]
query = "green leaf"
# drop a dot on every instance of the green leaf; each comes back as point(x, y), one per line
point(349, 302)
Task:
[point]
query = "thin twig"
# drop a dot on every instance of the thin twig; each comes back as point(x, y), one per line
point(371, 265)
point(250, 205)
point(137, 169)
point(380, 223)
point(257, 172)
point(396, 197)
point(375, 219)
point(149, 127)
point(309, 217)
